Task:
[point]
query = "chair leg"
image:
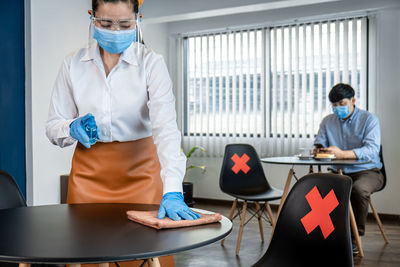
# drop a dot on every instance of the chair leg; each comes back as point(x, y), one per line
point(241, 227)
point(353, 225)
point(378, 220)
point(271, 216)
point(231, 215)
point(259, 213)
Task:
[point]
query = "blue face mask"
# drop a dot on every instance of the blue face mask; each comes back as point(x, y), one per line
point(114, 42)
point(341, 111)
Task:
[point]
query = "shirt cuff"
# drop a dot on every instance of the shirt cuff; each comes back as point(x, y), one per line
point(66, 129)
point(358, 152)
point(172, 184)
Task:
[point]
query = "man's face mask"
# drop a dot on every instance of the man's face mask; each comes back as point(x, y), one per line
point(341, 112)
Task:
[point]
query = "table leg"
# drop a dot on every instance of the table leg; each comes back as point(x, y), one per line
point(284, 195)
point(311, 169)
point(285, 191)
point(354, 225)
point(154, 262)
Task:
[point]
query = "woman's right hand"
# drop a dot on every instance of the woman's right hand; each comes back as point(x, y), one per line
point(174, 206)
point(84, 129)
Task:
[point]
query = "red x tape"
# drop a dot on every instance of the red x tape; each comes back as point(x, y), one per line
point(320, 210)
point(240, 163)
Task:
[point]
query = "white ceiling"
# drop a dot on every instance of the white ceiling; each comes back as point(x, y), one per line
point(160, 11)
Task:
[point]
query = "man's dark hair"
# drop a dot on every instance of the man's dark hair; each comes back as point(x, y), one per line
point(341, 91)
point(134, 3)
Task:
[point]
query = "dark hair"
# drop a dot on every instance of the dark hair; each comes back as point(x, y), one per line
point(134, 3)
point(341, 91)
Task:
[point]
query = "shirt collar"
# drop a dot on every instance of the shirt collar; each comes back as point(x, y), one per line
point(93, 53)
point(352, 116)
point(130, 55)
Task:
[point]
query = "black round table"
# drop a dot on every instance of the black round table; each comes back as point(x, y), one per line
point(94, 233)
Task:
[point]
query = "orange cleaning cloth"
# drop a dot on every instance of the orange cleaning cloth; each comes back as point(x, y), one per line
point(149, 218)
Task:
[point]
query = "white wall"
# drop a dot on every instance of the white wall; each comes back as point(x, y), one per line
point(155, 37)
point(58, 27)
point(388, 105)
point(386, 99)
point(279, 15)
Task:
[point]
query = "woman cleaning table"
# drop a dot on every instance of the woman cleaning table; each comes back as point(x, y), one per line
point(115, 98)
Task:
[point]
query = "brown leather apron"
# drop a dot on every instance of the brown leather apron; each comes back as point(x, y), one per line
point(117, 172)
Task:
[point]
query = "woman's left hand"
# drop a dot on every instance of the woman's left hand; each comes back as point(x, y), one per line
point(175, 208)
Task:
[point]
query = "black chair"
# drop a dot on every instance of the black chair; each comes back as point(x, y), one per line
point(10, 195)
point(242, 177)
point(293, 245)
point(378, 220)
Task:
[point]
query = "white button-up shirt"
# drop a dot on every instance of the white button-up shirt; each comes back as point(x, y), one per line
point(134, 101)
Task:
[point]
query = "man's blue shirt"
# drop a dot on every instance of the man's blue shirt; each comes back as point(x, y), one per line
point(360, 133)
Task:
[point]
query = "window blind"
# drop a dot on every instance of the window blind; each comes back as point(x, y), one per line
point(269, 86)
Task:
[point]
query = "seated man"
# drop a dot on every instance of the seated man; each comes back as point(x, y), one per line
point(352, 133)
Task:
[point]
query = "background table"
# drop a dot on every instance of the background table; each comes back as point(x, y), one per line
point(94, 233)
point(297, 161)
point(336, 162)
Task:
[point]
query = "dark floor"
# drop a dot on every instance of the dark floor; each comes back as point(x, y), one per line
point(375, 250)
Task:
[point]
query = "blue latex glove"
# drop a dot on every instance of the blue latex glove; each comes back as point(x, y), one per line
point(174, 207)
point(91, 129)
point(84, 129)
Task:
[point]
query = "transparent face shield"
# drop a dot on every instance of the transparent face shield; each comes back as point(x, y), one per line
point(139, 36)
point(118, 26)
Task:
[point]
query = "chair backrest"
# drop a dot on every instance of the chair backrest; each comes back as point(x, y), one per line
point(383, 170)
point(10, 195)
point(241, 171)
point(303, 234)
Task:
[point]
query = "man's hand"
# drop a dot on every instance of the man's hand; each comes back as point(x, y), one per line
point(339, 154)
point(333, 150)
point(316, 150)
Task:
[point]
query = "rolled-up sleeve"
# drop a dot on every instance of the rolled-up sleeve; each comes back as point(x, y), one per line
point(371, 140)
point(166, 135)
point(62, 110)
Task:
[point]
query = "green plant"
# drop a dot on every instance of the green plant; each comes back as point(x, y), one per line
point(190, 153)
